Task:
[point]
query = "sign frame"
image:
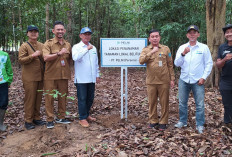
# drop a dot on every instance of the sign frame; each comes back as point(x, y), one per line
point(118, 40)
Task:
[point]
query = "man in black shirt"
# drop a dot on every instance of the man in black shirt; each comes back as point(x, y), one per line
point(224, 61)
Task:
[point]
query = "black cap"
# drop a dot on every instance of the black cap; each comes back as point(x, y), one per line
point(226, 27)
point(32, 27)
point(194, 27)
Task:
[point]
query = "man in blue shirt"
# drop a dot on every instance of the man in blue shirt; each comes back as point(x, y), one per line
point(224, 61)
point(196, 63)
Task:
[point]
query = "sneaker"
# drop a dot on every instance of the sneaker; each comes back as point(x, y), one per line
point(62, 121)
point(153, 125)
point(29, 126)
point(180, 125)
point(39, 122)
point(200, 129)
point(162, 127)
point(50, 125)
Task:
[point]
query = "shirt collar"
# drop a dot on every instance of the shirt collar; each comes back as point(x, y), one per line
point(197, 44)
point(57, 41)
point(150, 46)
point(82, 44)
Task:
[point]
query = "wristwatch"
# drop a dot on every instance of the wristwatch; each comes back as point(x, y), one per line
point(182, 54)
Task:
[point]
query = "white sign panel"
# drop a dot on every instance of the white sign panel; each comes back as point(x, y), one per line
point(118, 52)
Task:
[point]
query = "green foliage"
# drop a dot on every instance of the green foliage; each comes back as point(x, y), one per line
point(55, 93)
point(107, 18)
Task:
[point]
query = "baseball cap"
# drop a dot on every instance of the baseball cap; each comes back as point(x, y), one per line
point(32, 27)
point(226, 27)
point(85, 30)
point(194, 27)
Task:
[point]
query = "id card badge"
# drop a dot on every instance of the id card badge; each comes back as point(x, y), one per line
point(62, 62)
point(160, 64)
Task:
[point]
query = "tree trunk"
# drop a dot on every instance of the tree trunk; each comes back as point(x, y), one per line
point(135, 20)
point(215, 20)
point(69, 26)
point(20, 27)
point(80, 22)
point(47, 22)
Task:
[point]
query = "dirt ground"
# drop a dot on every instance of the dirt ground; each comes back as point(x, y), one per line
point(111, 136)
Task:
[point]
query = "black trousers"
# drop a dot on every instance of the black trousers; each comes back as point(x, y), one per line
point(3, 96)
point(227, 102)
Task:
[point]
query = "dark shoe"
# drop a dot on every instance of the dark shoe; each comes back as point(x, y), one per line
point(62, 121)
point(29, 126)
point(162, 127)
point(153, 125)
point(39, 122)
point(50, 125)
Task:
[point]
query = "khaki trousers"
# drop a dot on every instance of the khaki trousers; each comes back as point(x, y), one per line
point(62, 87)
point(160, 91)
point(32, 100)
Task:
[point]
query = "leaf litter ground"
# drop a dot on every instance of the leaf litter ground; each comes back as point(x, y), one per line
point(111, 136)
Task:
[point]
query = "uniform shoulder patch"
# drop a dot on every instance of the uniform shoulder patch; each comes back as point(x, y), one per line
point(169, 54)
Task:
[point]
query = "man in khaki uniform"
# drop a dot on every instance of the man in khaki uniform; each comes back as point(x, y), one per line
point(160, 75)
point(57, 55)
point(30, 57)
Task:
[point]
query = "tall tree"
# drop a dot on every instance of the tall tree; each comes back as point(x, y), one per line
point(47, 22)
point(69, 25)
point(215, 20)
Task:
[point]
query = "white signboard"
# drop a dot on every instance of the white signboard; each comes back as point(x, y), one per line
point(119, 52)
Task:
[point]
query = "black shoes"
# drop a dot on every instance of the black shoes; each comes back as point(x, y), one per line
point(50, 125)
point(153, 125)
point(39, 122)
point(29, 126)
point(62, 121)
point(162, 127)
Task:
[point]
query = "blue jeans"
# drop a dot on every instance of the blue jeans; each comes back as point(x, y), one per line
point(199, 95)
point(85, 96)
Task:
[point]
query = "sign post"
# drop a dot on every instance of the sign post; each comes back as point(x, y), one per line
point(122, 52)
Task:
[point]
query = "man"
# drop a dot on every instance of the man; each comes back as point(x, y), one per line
point(86, 67)
point(160, 75)
point(196, 63)
point(57, 55)
point(30, 57)
point(224, 61)
point(6, 77)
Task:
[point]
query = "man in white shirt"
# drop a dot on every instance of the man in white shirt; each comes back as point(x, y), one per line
point(196, 63)
point(86, 68)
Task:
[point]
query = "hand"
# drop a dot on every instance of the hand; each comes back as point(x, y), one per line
point(227, 57)
point(186, 50)
point(155, 49)
point(63, 51)
point(98, 80)
point(172, 84)
point(201, 82)
point(36, 54)
point(89, 47)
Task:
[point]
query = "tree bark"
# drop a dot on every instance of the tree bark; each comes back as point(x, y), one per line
point(69, 26)
point(47, 22)
point(215, 20)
